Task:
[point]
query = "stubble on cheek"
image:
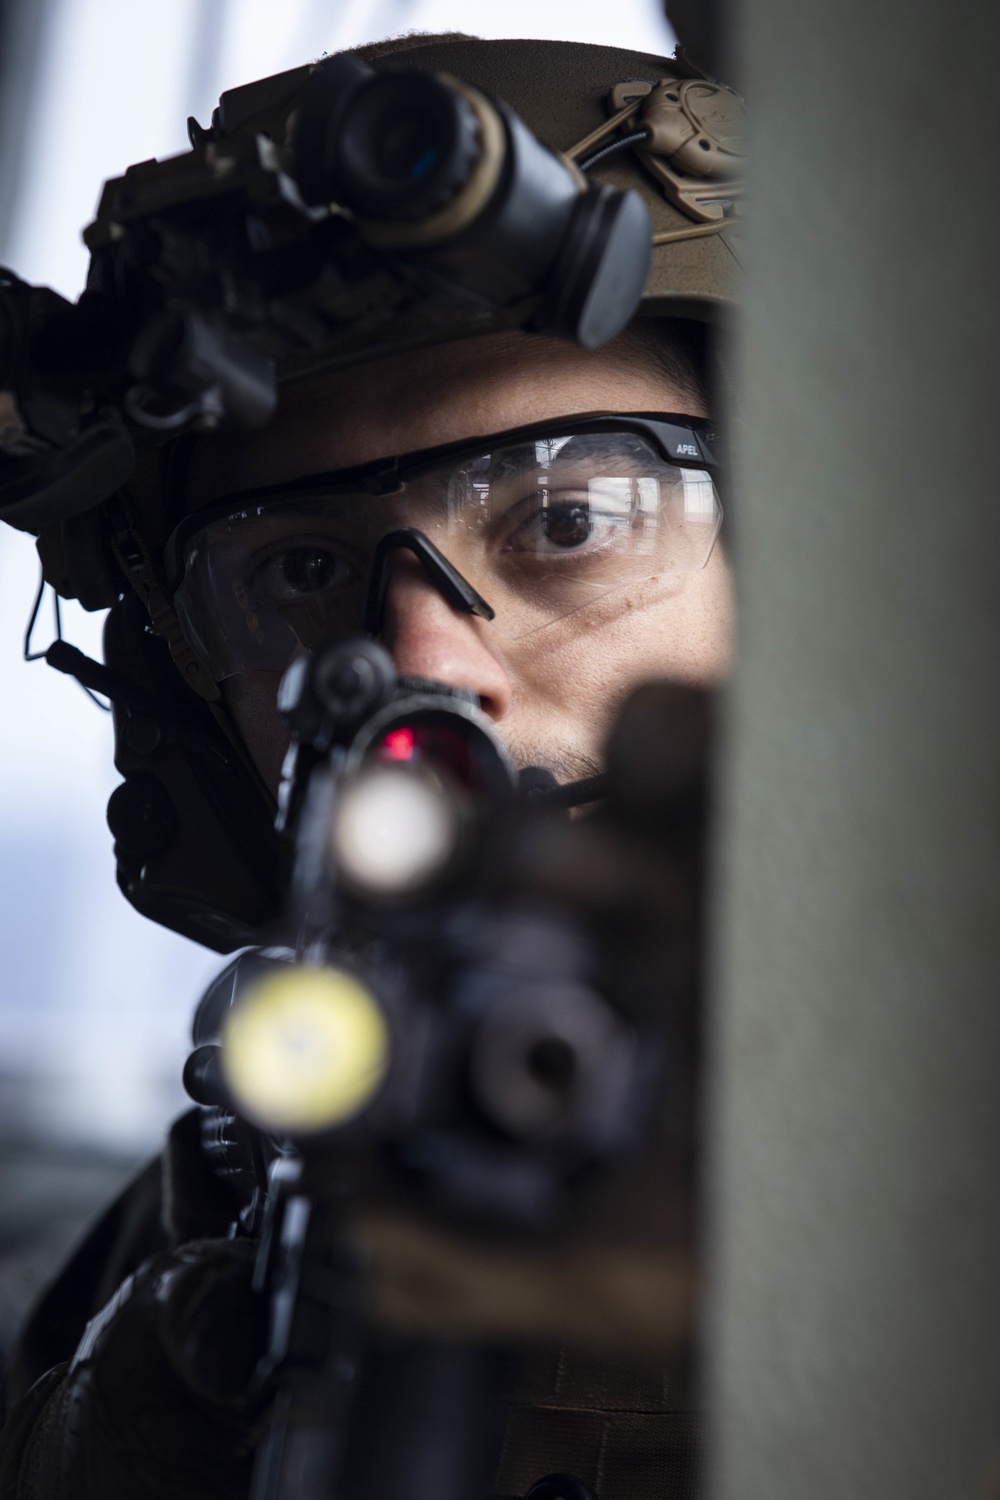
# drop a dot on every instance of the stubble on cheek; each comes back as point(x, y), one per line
point(574, 677)
point(566, 764)
point(564, 705)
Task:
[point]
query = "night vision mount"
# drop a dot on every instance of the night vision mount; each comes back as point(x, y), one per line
point(321, 205)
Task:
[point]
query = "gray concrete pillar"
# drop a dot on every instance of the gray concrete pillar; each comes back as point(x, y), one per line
point(854, 1328)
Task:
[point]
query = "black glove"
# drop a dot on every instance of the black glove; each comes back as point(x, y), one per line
point(156, 1403)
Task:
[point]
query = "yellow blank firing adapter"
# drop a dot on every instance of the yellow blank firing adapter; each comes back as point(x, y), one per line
point(305, 1050)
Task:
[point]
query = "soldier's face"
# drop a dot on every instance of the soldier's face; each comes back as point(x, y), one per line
point(551, 693)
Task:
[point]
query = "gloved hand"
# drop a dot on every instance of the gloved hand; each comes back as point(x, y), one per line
point(156, 1403)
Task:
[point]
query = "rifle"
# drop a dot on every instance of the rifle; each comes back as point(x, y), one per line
point(476, 1029)
point(472, 1038)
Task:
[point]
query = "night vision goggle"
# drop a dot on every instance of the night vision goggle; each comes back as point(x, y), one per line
point(581, 515)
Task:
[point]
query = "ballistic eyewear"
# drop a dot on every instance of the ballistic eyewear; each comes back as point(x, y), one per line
point(583, 516)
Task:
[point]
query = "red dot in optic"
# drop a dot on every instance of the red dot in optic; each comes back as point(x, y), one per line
point(398, 744)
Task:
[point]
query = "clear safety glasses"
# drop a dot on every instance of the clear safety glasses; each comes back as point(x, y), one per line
point(584, 516)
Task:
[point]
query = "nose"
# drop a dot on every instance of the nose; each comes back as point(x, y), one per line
point(428, 638)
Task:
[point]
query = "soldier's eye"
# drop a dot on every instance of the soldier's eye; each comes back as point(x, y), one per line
point(567, 525)
point(303, 571)
point(563, 527)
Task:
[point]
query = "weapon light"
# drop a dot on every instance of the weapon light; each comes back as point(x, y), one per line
point(304, 1051)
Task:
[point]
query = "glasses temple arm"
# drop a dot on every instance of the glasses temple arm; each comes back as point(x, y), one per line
point(444, 575)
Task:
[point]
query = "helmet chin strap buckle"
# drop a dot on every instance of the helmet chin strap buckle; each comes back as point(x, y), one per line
point(443, 575)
